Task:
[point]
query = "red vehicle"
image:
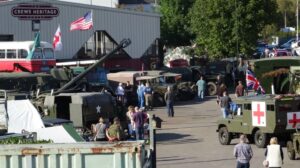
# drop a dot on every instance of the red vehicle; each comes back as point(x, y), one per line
point(16, 57)
point(280, 53)
point(178, 63)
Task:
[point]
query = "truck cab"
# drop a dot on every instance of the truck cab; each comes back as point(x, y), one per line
point(261, 117)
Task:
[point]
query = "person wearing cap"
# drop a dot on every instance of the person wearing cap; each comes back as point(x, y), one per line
point(243, 153)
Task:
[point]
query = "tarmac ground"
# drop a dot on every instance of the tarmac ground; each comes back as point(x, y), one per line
point(190, 139)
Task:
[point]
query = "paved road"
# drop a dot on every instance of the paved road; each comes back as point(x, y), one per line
point(190, 139)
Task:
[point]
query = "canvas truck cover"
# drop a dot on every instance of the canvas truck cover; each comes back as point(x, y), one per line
point(23, 116)
point(3, 112)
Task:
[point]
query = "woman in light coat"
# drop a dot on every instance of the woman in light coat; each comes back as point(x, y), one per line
point(274, 154)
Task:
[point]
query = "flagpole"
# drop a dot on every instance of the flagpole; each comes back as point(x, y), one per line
point(297, 20)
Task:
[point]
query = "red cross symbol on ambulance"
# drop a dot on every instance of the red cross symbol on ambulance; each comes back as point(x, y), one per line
point(259, 114)
point(293, 119)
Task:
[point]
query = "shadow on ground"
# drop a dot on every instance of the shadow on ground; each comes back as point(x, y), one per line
point(174, 138)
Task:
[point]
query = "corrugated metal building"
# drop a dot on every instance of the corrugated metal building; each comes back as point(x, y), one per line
point(142, 28)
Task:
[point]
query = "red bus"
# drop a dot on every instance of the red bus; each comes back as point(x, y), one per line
point(14, 57)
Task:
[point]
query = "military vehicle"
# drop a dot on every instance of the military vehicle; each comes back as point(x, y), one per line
point(210, 71)
point(279, 73)
point(261, 117)
point(160, 80)
point(73, 101)
point(293, 146)
point(83, 108)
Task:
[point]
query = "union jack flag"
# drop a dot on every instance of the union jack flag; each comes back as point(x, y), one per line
point(252, 82)
point(83, 23)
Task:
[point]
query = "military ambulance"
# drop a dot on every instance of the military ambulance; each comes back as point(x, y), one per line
point(260, 118)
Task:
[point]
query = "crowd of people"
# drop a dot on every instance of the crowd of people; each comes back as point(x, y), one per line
point(136, 124)
point(125, 94)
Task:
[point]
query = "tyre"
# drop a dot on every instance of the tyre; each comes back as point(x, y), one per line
point(260, 139)
point(224, 136)
point(290, 150)
point(211, 89)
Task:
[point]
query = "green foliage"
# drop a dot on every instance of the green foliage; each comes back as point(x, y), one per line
point(175, 22)
point(287, 9)
point(19, 140)
point(225, 28)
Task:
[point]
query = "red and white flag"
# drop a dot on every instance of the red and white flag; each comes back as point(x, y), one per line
point(57, 44)
point(83, 23)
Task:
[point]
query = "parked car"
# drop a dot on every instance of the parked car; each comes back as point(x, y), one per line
point(280, 53)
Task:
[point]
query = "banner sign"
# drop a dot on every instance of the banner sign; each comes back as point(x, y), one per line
point(34, 11)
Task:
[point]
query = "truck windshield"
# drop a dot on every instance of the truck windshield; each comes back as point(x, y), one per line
point(48, 53)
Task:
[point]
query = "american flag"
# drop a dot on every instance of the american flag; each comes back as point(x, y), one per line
point(83, 23)
point(252, 82)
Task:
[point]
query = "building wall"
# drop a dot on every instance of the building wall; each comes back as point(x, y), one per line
point(141, 28)
point(106, 3)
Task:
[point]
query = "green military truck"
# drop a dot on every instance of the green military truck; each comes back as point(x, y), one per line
point(261, 117)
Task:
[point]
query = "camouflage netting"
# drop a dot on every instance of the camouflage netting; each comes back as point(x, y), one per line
point(177, 53)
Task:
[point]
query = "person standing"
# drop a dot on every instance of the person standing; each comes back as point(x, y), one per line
point(243, 153)
point(99, 130)
point(139, 120)
point(239, 90)
point(120, 93)
point(140, 93)
point(115, 132)
point(169, 99)
point(148, 96)
point(201, 88)
point(128, 93)
point(225, 104)
point(131, 128)
point(219, 81)
point(274, 154)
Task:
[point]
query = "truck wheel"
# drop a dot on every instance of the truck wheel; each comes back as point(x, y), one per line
point(290, 150)
point(211, 89)
point(224, 136)
point(260, 139)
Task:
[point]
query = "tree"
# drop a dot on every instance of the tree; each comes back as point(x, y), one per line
point(225, 28)
point(174, 22)
point(287, 12)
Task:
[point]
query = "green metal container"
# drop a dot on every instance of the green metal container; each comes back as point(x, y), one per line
point(75, 155)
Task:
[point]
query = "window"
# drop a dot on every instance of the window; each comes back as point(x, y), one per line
point(239, 109)
point(22, 53)
point(285, 107)
point(2, 53)
point(7, 37)
point(37, 54)
point(11, 54)
point(270, 107)
point(48, 53)
point(247, 106)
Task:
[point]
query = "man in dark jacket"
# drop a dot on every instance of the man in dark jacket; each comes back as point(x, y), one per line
point(139, 119)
